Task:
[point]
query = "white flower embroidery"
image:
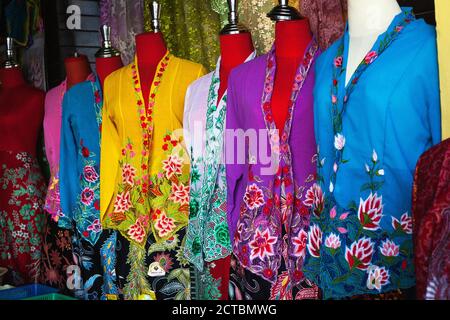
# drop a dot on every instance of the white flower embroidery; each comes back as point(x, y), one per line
point(339, 142)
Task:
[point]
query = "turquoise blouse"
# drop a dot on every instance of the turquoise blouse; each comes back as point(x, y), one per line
point(360, 236)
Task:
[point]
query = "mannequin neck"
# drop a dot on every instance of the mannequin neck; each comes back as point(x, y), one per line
point(150, 49)
point(234, 50)
point(77, 70)
point(106, 66)
point(368, 17)
point(292, 38)
point(11, 78)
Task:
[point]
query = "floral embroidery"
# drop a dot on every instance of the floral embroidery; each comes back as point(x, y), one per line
point(378, 277)
point(173, 166)
point(262, 245)
point(253, 197)
point(363, 248)
point(274, 219)
point(164, 225)
point(180, 194)
point(128, 174)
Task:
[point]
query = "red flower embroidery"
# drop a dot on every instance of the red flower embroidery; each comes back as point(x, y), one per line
point(180, 194)
point(85, 152)
point(300, 243)
point(164, 225)
point(371, 57)
point(359, 255)
point(377, 278)
point(128, 174)
point(172, 166)
point(262, 245)
point(338, 62)
point(87, 196)
point(405, 224)
point(90, 174)
point(136, 232)
point(123, 202)
point(370, 212)
point(315, 199)
point(253, 197)
point(314, 241)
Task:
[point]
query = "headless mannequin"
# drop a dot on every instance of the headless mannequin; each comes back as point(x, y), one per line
point(291, 41)
point(18, 101)
point(367, 19)
point(106, 66)
point(234, 50)
point(77, 70)
point(150, 49)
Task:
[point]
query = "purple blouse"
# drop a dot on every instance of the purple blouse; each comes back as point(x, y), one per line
point(268, 182)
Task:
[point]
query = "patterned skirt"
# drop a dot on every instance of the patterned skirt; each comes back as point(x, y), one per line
point(22, 219)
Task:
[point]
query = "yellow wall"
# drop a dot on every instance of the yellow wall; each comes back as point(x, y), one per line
point(443, 32)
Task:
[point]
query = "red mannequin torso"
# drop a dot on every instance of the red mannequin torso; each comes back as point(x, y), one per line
point(234, 49)
point(106, 66)
point(77, 70)
point(21, 112)
point(291, 41)
point(150, 49)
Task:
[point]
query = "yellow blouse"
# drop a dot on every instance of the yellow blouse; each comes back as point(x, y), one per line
point(443, 38)
point(144, 180)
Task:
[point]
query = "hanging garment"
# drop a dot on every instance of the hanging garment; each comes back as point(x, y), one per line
point(22, 186)
point(52, 137)
point(443, 38)
point(360, 238)
point(326, 18)
point(267, 181)
point(126, 19)
point(144, 185)
point(79, 172)
point(189, 28)
point(207, 238)
point(57, 257)
point(431, 207)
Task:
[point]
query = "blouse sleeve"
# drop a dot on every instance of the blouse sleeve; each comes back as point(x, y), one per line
point(110, 147)
point(68, 172)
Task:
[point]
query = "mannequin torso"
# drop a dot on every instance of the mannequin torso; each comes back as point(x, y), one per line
point(291, 40)
point(367, 19)
point(21, 112)
point(77, 70)
point(234, 50)
point(106, 66)
point(150, 49)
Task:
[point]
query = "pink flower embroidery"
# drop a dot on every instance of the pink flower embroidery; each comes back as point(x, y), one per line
point(90, 174)
point(172, 166)
point(338, 62)
point(389, 249)
point(300, 243)
point(164, 225)
point(128, 174)
point(254, 197)
point(405, 224)
point(95, 226)
point(262, 245)
point(314, 241)
point(123, 202)
point(315, 199)
point(87, 196)
point(180, 194)
point(370, 212)
point(378, 277)
point(371, 57)
point(333, 241)
point(359, 255)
